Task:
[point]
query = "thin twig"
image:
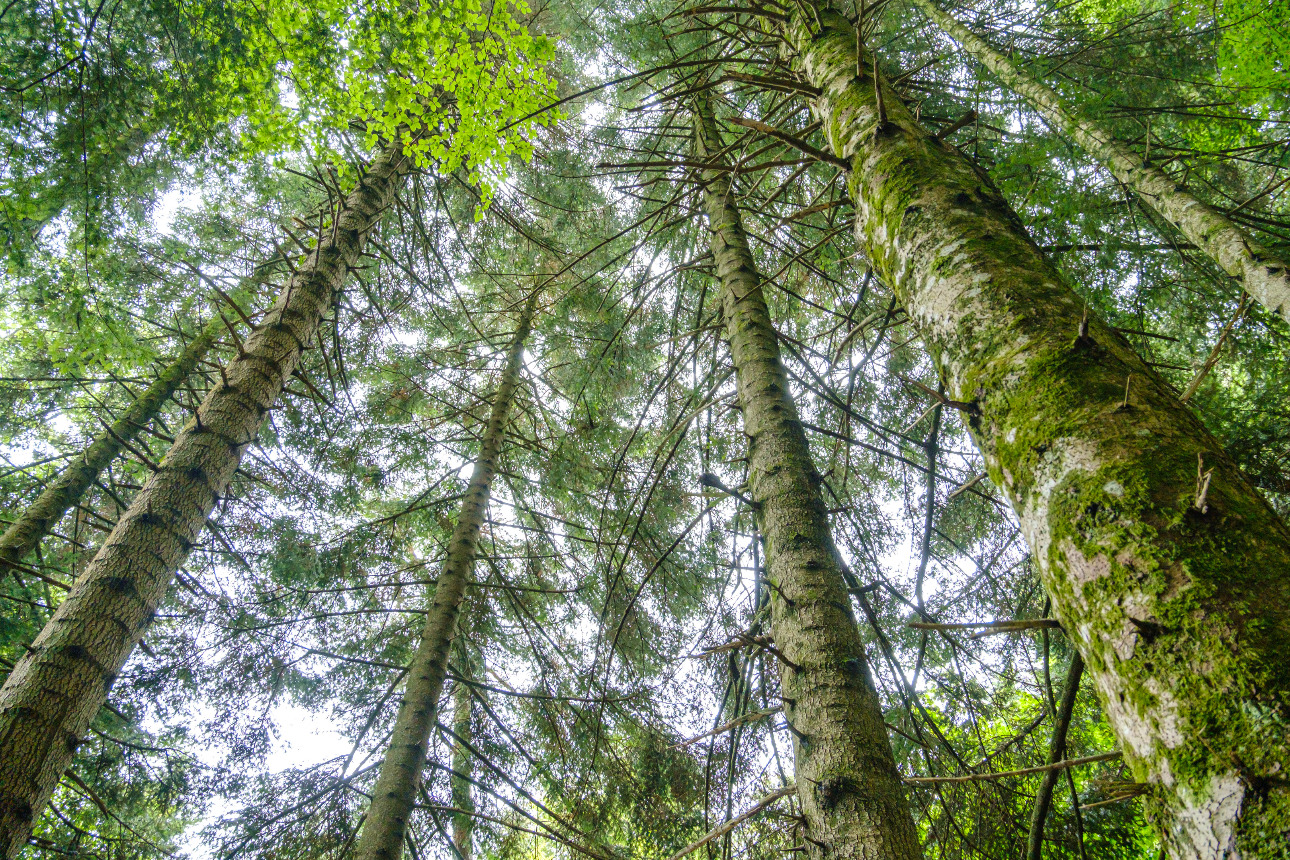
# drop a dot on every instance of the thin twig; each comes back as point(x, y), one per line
point(1214, 353)
point(734, 822)
point(1025, 771)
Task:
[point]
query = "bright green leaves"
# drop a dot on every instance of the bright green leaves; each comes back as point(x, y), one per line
point(1253, 37)
point(459, 81)
point(56, 317)
point(1255, 47)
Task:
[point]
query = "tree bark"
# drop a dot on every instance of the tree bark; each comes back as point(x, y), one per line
point(67, 489)
point(400, 775)
point(50, 698)
point(1264, 276)
point(1056, 752)
point(1174, 586)
point(847, 780)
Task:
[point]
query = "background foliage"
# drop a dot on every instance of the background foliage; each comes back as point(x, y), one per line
point(154, 150)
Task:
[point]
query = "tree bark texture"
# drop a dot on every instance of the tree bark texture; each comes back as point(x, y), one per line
point(1056, 753)
point(847, 780)
point(67, 489)
point(55, 690)
point(1173, 583)
point(400, 775)
point(1265, 277)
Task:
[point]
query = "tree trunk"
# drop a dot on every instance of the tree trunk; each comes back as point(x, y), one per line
point(400, 776)
point(849, 786)
point(66, 490)
point(1174, 585)
point(1265, 277)
point(55, 690)
point(1056, 753)
point(463, 822)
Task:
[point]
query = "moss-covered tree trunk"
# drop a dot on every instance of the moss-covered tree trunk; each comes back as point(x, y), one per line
point(67, 489)
point(847, 780)
point(1174, 585)
point(400, 774)
point(55, 690)
point(1265, 277)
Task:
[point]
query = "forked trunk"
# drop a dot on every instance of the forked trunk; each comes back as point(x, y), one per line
point(1265, 277)
point(55, 690)
point(847, 780)
point(400, 776)
point(1167, 569)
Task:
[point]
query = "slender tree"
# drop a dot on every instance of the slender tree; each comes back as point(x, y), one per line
point(1264, 276)
point(66, 490)
point(1170, 572)
point(847, 780)
point(1056, 752)
point(55, 690)
point(463, 801)
point(400, 775)
point(610, 568)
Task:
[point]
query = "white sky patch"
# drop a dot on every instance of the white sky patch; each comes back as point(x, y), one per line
point(305, 738)
point(407, 337)
point(25, 451)
point(660, 264)
point(593, 114)
point(1128, 287)
point(21, 455)
point(289, 98)
point(177, 199)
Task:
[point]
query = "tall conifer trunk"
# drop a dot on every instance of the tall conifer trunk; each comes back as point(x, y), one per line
point(67, 489)
point(1265, 277)
point(1173, 584)
point(400, 775)
point(55, 690)
point(847, 780)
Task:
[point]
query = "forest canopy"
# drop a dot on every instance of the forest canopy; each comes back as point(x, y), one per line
point(644, 431)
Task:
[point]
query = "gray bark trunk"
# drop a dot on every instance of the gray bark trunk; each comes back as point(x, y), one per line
point(67, 489)
point(53, 693)
point(400, 775)
point(1265, 277)
point(849, 786)
point(1174, 586)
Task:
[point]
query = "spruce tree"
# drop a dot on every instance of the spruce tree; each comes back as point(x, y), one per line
point(400, 776)
point(51, 696)
point(1123, 495)
point(846, 777)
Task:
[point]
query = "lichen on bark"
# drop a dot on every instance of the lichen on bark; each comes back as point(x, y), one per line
point(1264, 275)
point(1179, 604)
